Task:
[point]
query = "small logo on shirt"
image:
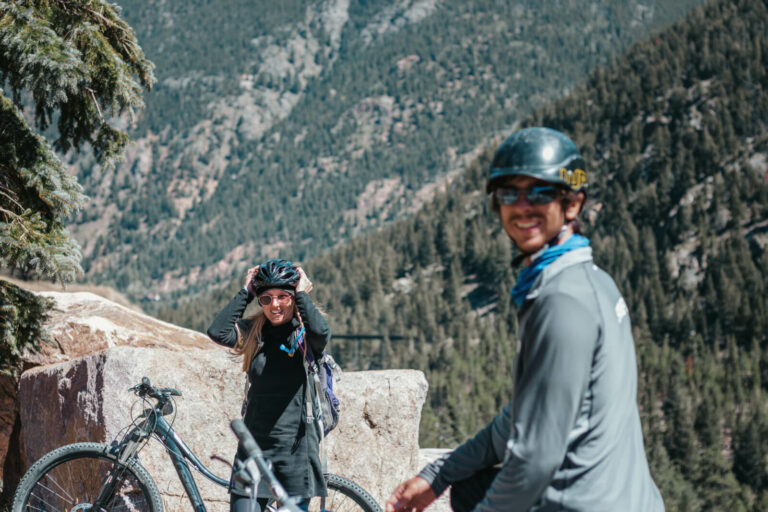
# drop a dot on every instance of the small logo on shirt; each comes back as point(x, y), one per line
point(621, 309)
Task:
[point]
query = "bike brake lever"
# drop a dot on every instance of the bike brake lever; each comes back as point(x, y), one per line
point(144, 382)
point(136, 389)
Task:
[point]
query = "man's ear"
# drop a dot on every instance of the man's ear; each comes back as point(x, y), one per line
point(574, 207)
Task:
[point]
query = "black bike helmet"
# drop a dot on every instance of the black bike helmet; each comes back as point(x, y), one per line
point(540, 153)
point(275, 274)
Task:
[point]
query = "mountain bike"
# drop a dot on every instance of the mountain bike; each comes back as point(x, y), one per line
point(109, 477)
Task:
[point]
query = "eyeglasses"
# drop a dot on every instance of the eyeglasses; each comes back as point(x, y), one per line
point(283, 299)
point(537, 194)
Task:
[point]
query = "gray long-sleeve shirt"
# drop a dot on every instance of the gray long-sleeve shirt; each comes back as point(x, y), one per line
point(570, 439)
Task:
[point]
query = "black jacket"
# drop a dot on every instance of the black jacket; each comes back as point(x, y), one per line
point(276, 411)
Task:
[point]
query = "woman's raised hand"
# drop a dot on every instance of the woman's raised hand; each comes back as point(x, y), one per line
point(304, 284)
point(249, 279)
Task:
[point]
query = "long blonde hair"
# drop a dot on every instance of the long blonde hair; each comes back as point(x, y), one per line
point(250, 344)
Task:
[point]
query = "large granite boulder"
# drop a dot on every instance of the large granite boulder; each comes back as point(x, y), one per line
point(81, 323)
point(376, 443)
point(85, 397)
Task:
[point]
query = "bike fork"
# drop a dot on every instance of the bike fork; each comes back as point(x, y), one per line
point(108, 488)
point(115, 477)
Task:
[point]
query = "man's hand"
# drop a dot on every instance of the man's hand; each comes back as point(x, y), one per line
point(413, 495)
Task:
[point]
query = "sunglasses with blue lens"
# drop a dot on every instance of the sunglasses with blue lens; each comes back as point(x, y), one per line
point(537, 194)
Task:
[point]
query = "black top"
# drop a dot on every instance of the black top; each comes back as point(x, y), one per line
point(276, 412)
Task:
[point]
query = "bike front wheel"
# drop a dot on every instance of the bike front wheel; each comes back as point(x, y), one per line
point(344, 496)
point(72, 477)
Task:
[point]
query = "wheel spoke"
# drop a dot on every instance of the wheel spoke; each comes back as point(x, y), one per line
point(53, 481)
point(67, 499)
point(43, 502)
point(70, 478)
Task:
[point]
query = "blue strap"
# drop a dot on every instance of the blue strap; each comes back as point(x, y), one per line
point(529, 274)
point(298, 341)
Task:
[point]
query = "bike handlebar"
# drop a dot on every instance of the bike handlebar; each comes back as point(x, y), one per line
point(144, 388)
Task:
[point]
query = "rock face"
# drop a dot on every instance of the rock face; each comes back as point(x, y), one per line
point(83, 323)
point(376, 443)
point(85, 398)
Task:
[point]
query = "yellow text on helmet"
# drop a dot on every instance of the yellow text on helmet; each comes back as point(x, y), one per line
point(575, 178)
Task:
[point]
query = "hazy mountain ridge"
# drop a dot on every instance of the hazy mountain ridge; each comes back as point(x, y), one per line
point(190, 163)
point(276, 140)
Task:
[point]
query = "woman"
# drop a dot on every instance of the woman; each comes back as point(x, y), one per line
point(275, 410)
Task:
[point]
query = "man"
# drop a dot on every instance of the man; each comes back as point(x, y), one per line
point(570, 439)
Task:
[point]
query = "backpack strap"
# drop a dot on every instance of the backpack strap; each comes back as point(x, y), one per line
point(312, 371)
point(314, 411)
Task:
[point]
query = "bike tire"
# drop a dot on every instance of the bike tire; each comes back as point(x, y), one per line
point(70, 477)
point(344, 495)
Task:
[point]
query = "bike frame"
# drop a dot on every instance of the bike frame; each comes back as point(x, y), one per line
point(180, 455)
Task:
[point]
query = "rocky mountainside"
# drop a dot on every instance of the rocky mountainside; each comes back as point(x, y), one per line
point(294, 126)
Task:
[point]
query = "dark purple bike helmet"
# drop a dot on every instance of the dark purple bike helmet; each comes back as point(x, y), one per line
point(275, 274)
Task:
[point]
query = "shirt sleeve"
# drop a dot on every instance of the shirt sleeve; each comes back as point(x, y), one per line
point(481, 451)
point(318, 330)
point(553, 376)
point(222, 329)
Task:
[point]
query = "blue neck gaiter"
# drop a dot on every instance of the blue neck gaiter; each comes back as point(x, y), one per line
point(528, 276)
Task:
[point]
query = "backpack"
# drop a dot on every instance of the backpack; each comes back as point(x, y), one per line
point(324, 372)
point(321, 374)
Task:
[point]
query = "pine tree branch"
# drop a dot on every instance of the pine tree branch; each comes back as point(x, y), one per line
point(22, 319)
point(95, 102)
point(37, 173)
point(15, 217)
point(78, 61)
point(9, 197)
point(35, 237)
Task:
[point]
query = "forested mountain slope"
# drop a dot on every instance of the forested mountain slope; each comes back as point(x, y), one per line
point(293, 126)
point(676, 135)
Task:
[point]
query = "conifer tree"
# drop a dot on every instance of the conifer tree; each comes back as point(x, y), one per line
point(78, 65)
